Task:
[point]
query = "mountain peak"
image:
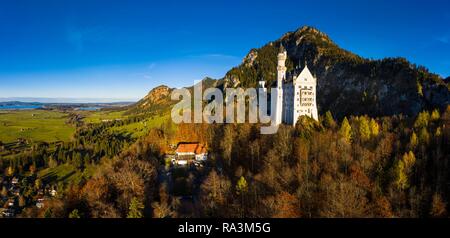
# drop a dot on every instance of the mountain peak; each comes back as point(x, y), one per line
point(347, 83)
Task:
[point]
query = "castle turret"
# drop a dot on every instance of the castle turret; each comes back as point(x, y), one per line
point(282, 56)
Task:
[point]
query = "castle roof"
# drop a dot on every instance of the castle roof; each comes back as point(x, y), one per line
point(299, 73)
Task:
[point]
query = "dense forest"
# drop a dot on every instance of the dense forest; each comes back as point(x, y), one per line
point(357, 167)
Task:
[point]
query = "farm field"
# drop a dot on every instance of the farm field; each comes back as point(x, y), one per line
point(34, 125)
point(99, 116)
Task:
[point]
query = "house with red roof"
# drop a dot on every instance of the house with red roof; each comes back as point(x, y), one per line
point(189, 152)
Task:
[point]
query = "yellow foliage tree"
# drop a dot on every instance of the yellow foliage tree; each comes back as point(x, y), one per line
point(10, 171)
point(374, 127)
point(413, 141)
point(241, 186)
point(401, 180)
point(364, 129)
point(435, 115)
point(422, 120)
point(403, 169)
point(345, 131)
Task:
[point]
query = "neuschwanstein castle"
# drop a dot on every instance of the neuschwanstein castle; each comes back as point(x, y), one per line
point(296, 93)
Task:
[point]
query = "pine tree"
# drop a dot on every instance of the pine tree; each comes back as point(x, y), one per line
point(75, 214)
point(48, 213)
point(136, 209)
point(86, 160)
point(241, 186)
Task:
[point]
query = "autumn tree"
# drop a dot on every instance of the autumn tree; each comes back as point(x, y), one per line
point(364, 129)
point(435, 115)
point(424, 136)
point(438, 206)
point(166, 207)
point(343, 199)
point(345, 132)
point(413, 141)
point(422, 120)
point(283, 205)
point(329, 121)
point(374, 127)
point(402, 170)
point(214, 192)
point(10, 171)
point(22, 201)
point(4, 192)
point(226, 143)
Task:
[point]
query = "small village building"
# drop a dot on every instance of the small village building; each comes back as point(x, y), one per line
point(15, 181)
point(40, 202)
point(189, 153)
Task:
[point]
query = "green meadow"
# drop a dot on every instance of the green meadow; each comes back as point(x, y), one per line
point(66, 174)
point(141, 128)
point(99, 116)
point(51, 126)
point(34, 125)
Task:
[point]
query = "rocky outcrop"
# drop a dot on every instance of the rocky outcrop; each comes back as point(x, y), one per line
point(157, 95)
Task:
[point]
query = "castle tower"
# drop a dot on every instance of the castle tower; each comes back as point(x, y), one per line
point(282, 56)
point(305, 101)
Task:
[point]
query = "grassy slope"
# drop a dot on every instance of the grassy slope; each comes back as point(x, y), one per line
point(139, 129)
point(46, 126)
point(65, 173)
point(98, 116)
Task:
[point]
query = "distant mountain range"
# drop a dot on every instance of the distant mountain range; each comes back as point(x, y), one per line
point(348, 84)
point(18, 105)
point(66, 100)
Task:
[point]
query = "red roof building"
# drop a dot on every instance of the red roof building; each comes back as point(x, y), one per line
point(189, 151)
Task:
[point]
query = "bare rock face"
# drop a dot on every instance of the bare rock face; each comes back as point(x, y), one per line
point(249, 60)
point(158, 99)
point(347, 83)
point(156, 96)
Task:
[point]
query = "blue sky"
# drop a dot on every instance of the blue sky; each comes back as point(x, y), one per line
point(122, 49)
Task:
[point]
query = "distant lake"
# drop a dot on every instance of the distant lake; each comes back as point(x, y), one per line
point(88, 108)
point(19, 107)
